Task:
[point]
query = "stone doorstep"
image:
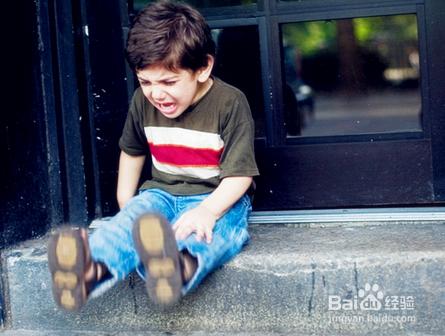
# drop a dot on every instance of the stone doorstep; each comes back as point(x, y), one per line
point(290, 280)
point(159, 333)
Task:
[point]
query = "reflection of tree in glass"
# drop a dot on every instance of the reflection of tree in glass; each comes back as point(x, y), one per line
point(353, 54)
point(350, 63)
point(316, 35)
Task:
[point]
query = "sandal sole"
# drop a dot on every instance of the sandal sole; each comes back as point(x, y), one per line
point(66, 261)
point(156, 246)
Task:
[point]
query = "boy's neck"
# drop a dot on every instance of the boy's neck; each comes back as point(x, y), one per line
point(205, 87)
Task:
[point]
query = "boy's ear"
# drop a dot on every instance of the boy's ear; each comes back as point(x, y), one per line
point(205, 72)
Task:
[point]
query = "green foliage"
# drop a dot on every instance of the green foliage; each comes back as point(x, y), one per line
point(311, 37)
point(397, 27)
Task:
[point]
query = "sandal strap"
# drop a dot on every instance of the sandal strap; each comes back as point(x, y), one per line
point(188, 266)
point(101, 271)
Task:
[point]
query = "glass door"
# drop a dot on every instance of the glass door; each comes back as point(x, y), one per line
point(340, 91)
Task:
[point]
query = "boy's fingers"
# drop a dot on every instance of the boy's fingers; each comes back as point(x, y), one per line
point(209, 238)
point(177, 230)
point(183, 232)
point(177, 224)
point(208, 235)
point(179, 233)
point(199, 235)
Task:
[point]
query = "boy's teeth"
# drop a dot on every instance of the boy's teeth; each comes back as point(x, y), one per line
point(167, 106)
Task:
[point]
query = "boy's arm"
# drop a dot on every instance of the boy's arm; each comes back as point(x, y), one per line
point(226, 194)
point(130, 168)
point(202, 219)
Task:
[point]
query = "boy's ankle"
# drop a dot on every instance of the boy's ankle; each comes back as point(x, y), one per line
point(102, 272)
point(189, 265)
point(97, 272)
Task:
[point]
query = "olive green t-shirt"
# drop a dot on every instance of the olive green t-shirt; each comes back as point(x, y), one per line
point(211, 140)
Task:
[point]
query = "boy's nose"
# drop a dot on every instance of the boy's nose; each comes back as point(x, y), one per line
point(157, 93)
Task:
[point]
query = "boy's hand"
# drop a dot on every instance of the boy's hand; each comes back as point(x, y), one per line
point(199, 220)
point(202, 219)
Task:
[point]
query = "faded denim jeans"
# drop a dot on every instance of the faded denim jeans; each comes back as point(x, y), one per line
point(112, 243)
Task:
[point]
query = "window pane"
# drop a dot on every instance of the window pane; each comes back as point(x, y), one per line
point(238, 63)
point(138, 4)
point(351, 76)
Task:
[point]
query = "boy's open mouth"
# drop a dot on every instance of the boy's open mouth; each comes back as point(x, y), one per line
point(167, 108)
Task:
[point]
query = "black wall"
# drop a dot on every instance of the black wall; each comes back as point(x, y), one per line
point(111, 87)
point(62, 113)
point(26, 191)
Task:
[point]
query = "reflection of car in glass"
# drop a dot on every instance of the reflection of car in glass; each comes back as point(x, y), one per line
point(298, 96)
point(298, 106)
point(305, 99)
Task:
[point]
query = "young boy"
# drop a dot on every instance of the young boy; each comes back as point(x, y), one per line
point(199, 133)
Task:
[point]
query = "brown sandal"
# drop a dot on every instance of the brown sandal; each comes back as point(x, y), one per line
point(156, 246)
point(69, 260)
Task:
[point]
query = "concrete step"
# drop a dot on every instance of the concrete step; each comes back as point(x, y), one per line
point(371, 280)
point(132, 333)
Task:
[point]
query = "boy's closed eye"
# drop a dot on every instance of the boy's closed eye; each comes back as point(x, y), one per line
point(169, 83)
point(166, 82)
point(144, 83)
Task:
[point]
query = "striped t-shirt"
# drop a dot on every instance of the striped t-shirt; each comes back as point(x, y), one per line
point(190, 154)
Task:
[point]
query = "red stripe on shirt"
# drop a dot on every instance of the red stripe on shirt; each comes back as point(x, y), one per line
point(185, 156)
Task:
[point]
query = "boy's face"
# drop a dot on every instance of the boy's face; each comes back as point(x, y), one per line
point(173, 92)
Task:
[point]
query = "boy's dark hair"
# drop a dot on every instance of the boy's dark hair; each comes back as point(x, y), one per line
point(171, 34)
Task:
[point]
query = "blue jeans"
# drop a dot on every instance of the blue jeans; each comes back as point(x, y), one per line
point(112, 243)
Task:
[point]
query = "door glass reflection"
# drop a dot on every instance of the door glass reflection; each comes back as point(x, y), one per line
point(351, 76)
point(238, 63)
